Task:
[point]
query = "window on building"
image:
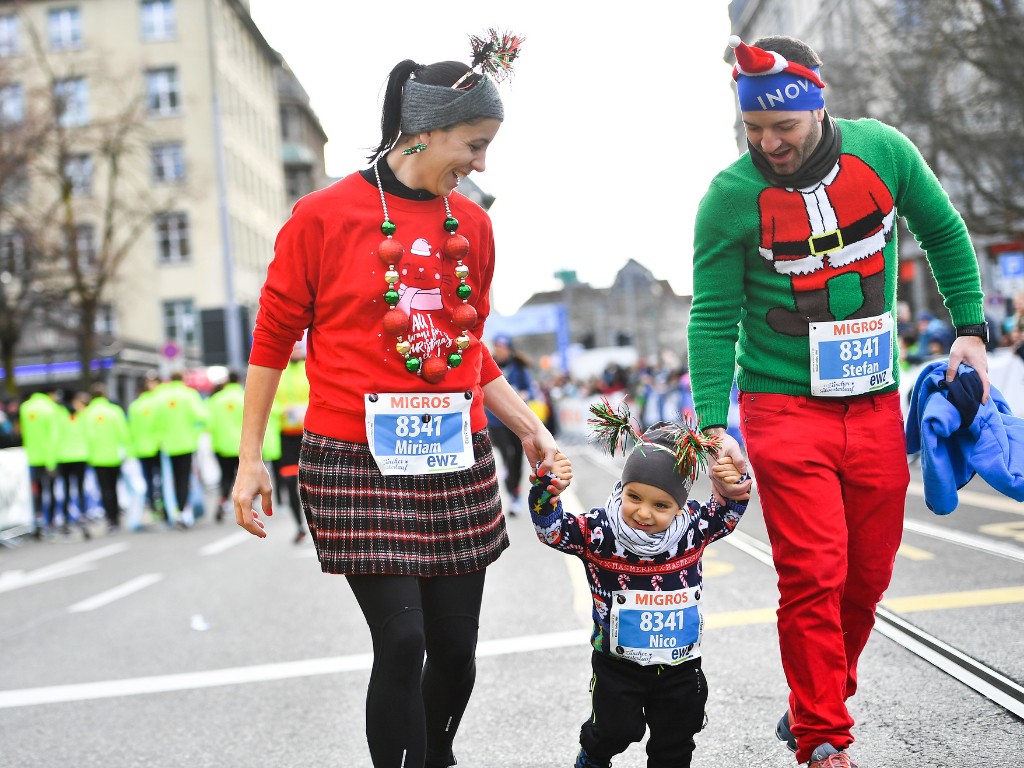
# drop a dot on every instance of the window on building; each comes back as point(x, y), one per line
point(12, 104)
point(12, 254)
point(163, 93)
point(65, 28)
point(180, 321)
point(10, 35)
point(78, 172)
point(85, 245)
point(298, 182)
point(291, 123)
point(71, 97)
point(172, 238)
point(106, 320)
point(168, 161)
point(158, 22)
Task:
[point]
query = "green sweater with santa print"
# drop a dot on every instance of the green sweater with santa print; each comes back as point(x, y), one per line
point(769, 260)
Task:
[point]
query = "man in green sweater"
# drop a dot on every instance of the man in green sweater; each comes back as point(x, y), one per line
point(795, 268)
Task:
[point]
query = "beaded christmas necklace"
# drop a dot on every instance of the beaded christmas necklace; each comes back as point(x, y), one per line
point(396, 322)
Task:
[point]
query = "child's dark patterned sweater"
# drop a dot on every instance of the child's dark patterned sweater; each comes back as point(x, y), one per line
point(646, 609)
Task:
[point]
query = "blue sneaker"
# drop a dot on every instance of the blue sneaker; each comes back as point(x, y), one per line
point(783, 733)
point(583, 760)
point(827, 756)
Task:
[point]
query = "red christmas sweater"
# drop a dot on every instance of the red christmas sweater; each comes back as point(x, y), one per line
point(326, 276)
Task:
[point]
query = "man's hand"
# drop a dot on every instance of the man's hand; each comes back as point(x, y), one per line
point(970, 350)
point(728, 449)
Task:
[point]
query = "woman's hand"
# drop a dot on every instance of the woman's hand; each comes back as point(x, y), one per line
point(252, 481)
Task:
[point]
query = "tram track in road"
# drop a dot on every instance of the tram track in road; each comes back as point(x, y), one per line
point(985, 680)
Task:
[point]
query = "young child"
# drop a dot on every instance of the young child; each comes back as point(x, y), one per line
point(643, 558)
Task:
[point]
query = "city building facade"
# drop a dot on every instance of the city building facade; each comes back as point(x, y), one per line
point(175, 229)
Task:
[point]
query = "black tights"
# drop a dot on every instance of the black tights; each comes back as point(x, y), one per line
point(413, 709)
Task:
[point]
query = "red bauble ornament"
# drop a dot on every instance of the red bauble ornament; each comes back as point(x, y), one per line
point(390, 251)
point(396, 322)
point(434, 369)
point(464, 316)
point(456, 247)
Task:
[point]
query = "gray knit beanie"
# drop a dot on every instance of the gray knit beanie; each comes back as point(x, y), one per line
point(429, 107)
point(653, 462)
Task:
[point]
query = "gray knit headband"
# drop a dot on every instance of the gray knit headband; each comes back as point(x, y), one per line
point(429, 107)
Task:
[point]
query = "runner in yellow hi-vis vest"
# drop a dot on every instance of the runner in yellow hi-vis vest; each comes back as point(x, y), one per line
point(142, 423)
point(39, 432)
point(293, 398)
point(225, 409)
point(106, 430)
point(181, 419)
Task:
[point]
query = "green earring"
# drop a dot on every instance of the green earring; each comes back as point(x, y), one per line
point(414, 150)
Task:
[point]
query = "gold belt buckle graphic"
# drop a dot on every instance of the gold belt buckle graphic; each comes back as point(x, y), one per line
point(835, 236)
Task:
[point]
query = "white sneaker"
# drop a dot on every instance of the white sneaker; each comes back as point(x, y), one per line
point(517, 505)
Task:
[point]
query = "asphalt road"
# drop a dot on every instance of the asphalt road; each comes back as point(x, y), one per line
point(212, 648)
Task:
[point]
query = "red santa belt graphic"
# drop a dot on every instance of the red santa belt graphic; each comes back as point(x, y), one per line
point(819, 245)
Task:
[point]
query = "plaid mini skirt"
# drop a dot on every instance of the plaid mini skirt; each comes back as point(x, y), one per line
point(363, 522)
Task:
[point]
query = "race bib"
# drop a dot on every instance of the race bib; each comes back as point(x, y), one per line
point(656, 627)
point(851, 357)
point(419, 434)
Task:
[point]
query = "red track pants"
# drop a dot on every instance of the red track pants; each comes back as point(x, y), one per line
point(832, 478)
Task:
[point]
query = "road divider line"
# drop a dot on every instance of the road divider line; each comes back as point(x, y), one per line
point(972, 540)
point(913, 553)
point(111, 595)
point(977, 499)
point(10, 580)
point(945, 600)
point(220, 545)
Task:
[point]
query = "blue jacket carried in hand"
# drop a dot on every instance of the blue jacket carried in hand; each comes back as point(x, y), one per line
point(959, 436)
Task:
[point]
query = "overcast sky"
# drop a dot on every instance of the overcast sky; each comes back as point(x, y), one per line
point(616, 119)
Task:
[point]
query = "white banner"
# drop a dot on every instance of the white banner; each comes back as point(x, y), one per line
point(15, 489)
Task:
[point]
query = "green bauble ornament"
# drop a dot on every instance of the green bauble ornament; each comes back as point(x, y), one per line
point(451, 224)
point(388, 228)
point(412, 364)
point(464, 291)
point(391, 297)
point(454, 360)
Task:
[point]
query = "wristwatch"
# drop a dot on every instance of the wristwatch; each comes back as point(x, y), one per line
point(980, 330)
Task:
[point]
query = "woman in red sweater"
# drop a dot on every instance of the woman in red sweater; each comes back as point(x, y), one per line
point(390, 270)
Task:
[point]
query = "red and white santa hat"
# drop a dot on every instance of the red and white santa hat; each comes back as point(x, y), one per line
point(767, 80)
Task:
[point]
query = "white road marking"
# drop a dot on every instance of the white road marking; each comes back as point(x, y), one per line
point(57, 694)
point(977, 499)
point(123, 590)
point(10, 580)
point(220, 545)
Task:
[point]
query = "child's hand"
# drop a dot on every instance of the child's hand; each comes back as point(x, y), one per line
point(558, 478)
point(726, 473)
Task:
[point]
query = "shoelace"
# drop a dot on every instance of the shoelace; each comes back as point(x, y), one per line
point(839, 760)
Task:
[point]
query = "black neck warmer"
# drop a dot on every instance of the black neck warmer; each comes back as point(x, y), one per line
point(814, 168)
point(392, 185)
